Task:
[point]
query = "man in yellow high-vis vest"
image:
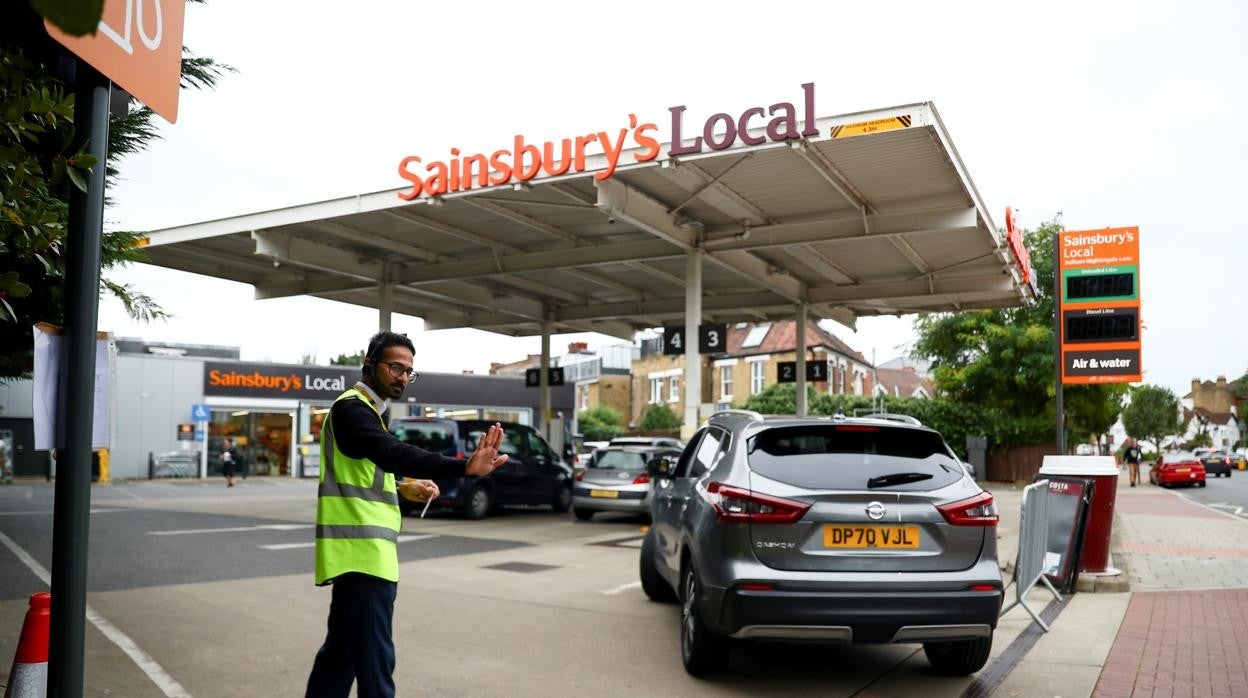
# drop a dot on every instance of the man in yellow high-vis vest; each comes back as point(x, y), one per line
point(358, 519)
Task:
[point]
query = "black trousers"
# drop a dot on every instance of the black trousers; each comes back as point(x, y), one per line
point(359, 645)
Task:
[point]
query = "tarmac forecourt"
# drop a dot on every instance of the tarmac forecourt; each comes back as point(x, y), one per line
point(528, 602)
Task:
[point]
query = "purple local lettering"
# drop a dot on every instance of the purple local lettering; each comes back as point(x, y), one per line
point(782, 127)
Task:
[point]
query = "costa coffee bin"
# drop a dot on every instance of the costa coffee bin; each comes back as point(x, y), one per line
point(1102, 470)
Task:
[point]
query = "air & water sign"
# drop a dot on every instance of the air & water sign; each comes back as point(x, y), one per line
point(1099, 305)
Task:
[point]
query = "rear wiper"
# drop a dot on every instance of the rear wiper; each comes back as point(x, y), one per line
point(896, 479)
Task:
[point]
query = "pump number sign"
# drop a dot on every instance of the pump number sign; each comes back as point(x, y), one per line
point(1099, 305)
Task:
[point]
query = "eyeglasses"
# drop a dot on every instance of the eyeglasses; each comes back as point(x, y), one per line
point(398, 370)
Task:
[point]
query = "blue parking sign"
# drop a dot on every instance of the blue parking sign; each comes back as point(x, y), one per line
point(200, 413)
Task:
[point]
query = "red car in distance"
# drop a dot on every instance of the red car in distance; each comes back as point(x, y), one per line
point(1177, 468)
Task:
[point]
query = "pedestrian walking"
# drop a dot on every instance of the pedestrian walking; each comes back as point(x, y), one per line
point(1133, 455)
point(231, 460)
point(358, 518)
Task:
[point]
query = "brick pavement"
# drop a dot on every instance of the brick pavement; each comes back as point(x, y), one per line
point(1181, 644)
point(1185, 632)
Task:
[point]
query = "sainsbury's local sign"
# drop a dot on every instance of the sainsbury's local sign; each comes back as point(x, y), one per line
point(523, 160)
point(268, 380)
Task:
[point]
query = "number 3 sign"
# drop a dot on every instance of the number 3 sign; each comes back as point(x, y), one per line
point(712, 339)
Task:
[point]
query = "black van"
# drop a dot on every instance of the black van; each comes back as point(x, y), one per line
point(534, 474)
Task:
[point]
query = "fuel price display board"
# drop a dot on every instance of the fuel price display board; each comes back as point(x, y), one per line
point(1099, 305)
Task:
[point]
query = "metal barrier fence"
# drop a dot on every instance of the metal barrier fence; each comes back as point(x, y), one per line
point(173, 464)
point(1033, 533)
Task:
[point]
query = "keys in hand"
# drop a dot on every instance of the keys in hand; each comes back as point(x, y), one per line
point(486, 458)
point(419, 490)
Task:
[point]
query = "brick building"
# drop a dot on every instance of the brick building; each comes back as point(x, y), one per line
point(747, 368)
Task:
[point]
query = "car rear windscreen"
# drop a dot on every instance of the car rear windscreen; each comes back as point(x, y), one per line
point(432, 436)
point(619, 460)
point(854, 457)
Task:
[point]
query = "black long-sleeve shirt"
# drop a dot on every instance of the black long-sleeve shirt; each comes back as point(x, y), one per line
point(360, 434)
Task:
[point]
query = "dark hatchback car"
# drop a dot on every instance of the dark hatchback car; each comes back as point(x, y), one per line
point(1217, 464)
point(534, 474)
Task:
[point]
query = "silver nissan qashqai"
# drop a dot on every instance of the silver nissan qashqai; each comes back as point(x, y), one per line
point(863, 530)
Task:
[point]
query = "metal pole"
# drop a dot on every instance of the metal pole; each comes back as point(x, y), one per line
point(1058, 408)
point(543, 384)
point(801, 359)
point(693, 359)
point(71, 515)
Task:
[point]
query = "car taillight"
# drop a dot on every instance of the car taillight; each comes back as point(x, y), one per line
point(642, 479)
point(979, 510)
point(736, 505)
point(580, 476)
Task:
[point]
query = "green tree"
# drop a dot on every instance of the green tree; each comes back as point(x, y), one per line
point(1004, 359)
point(601, 423)
point(38, 170)
point(1152, 415)
point(1092, 409)
point(356, 359)
point(1239, 387)
point(660, 418)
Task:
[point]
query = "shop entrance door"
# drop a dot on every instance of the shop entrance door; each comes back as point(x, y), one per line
point(261, 438)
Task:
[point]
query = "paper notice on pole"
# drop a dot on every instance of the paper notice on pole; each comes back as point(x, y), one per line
point(47, 373)
point(47, 377)
point(101, 428)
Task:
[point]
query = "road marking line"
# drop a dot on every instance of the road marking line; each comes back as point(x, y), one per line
point(235, 529)
point(128, 493)
point(49, 511)
point(166, 683)
point(293, 546)
point(621, 588)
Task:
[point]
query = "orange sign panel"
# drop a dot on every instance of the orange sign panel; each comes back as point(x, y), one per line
point(139, 46)
point(1099, 305)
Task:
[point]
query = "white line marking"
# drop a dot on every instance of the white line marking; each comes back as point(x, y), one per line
point(621, 588)
point(294, 546)
point(49, 511)
point(166, 683)
point(236, 529)
point(128, 493)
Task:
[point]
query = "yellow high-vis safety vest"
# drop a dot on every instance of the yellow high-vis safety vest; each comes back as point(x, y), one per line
point(357, 511)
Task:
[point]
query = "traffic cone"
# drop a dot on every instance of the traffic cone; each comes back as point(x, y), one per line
point(29, 678)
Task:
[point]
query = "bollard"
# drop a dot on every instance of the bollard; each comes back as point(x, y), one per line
point(29, 677)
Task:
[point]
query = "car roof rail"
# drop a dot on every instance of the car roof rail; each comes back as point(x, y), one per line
point(904, 418)
point(747, 413)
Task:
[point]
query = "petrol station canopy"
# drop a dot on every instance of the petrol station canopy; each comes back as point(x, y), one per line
point(871, 213)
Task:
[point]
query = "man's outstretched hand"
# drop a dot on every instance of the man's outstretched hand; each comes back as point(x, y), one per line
point(485, 459)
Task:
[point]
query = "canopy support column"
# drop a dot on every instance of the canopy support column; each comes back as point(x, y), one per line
point(693, 359)
point(801, 359)
point(543, 383)
point(385, 305)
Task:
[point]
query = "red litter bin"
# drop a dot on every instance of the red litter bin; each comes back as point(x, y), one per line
point(1103, 470)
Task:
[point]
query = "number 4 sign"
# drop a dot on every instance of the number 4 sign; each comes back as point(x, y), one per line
point(712, 339)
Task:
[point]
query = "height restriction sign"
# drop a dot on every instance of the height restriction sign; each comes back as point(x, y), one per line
point(1098, 275)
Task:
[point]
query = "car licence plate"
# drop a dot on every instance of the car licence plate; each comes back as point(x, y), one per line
point(870, 537)
point(608, 494)
point(1182, 470)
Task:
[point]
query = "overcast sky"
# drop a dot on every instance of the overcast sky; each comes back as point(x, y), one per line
point(1112, 114)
